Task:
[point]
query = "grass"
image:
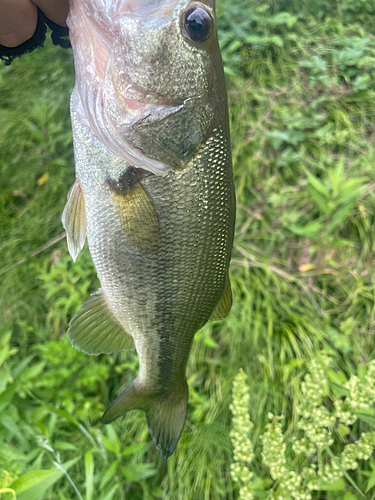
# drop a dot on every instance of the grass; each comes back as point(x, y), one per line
point(301, 94)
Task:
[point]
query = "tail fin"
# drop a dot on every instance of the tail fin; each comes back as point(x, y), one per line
point(165, 416)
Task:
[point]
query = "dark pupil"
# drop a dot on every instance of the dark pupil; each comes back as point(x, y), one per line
point(197, 24)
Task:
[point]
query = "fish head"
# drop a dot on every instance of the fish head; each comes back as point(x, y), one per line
point(149, 77)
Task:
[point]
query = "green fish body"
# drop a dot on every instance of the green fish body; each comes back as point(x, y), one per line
point(154, 193)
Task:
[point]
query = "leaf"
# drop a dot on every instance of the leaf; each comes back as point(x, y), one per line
point(319, 199)
point(108, 474)
point(350, 496)
point(5, 343)
point(33, 128)
point(109, 495)
point(62, 496)
point(311, 230)
point(348, 190)
point(318, 185)
point(368, 418)
point(338, 485)
point(277, 40)
point(62, 413)
point(233, 46)
point(371, 481)
point(9, 423)
point(32, 371)
point(6, 397)
point(113, 447)
point(89, 471)
point(337, 377)
point(210, 342)
point(158, 493)
point(62, 445)
point(8, 490)
point(137, 472)
point(343, 430)
point(339, 216)
point(258, 484)
point(362, 82)
point(10, 453)
point(283, 18)
point(338, 389)
point(43, 179)
point(34, 478)
point(306, 267)
point(133, 448)
point(22, 365)
point(262, 494)
point(345, 473)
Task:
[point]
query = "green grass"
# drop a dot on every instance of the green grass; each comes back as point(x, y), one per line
point(301, 92)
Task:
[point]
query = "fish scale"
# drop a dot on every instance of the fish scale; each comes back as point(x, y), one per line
point(134, 283)
point(160, 234)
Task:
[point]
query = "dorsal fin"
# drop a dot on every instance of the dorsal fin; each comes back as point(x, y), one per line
point(95, 330)
point(74, 220)
point(225, 303)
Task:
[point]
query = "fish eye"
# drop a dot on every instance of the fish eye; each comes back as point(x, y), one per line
point(197, 24)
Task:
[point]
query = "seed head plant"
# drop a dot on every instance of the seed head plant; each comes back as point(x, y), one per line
point(313, 453)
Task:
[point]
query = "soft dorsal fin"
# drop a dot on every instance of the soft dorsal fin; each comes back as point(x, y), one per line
point(95, 330)
point(74, 220)
point(225, 303)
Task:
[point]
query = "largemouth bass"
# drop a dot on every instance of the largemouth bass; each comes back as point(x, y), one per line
point(154, 192)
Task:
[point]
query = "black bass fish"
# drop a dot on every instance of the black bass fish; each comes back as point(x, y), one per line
point(154, 192)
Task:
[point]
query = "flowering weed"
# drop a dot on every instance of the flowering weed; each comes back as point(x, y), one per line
point(314, 452)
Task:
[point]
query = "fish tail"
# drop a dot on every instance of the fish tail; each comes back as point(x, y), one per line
point(165, 415)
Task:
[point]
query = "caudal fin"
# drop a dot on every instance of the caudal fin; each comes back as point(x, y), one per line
point(165, 416)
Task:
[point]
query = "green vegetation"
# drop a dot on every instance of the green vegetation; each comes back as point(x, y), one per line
point(301, 78)
point(302, 461)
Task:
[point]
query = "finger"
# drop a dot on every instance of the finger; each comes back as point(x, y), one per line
point(18, 20)
point(56, 10)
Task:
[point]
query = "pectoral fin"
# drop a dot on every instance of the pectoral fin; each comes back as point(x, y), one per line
point(136, 210)
point(95, 330)
point(74, 220)
point(222, 309)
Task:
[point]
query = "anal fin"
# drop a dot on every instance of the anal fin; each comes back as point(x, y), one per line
point(225, 303)
point(95, 330)
point(74, 220)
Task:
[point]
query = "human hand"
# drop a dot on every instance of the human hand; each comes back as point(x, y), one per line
point(18, 18)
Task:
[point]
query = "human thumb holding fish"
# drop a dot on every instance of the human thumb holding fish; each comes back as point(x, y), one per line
point(23, 25)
